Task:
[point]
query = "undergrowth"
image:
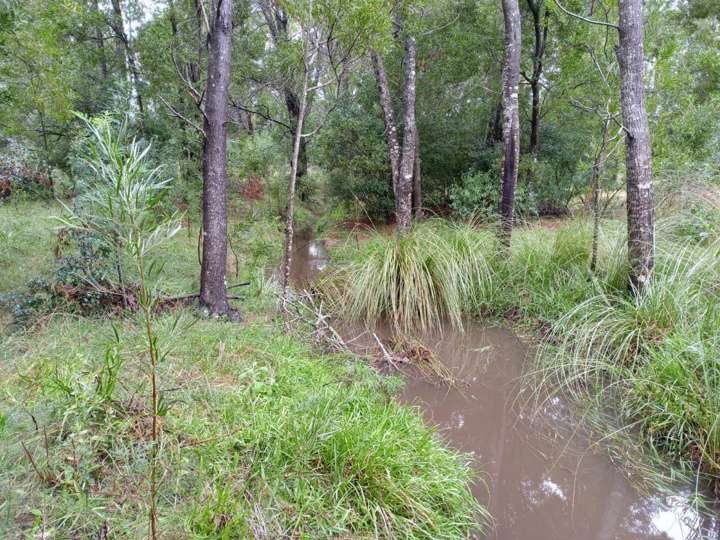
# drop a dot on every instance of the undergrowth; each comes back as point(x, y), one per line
point(262, 436)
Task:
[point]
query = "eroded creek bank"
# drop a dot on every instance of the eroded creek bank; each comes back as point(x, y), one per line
point(539, 481)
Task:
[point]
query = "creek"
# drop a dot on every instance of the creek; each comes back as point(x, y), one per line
point(538, 474)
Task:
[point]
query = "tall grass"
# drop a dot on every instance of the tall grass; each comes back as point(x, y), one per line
point(653, 356)
point(416, 281)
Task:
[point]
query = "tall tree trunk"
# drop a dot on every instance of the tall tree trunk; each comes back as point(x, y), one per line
point(277, 20)
point(118, 26)
point(417, 201)
point(597, 169)
point(294, 105)
point(388, 118)
point(640, 211)
point(290, 217)
point(511, 117)
point(201, 42)
point(540, 31)
point(100, 42)
point(403, 200)
point(213, 293)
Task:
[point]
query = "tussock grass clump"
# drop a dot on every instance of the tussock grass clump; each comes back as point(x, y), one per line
point(437, 272)
point(647, 365)
point(650, 361)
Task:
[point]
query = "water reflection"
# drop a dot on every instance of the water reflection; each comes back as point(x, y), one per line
point(543, 486)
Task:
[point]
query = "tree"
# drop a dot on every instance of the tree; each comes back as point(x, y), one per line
point(333, 35)
point(276, 18)
point(540, 33)
point(638, 153)
point(511, 117)
point(117, 24)
point(213, 291)
point(386, 105)
point(403, 203)
point(405, 160)
point(640, 210)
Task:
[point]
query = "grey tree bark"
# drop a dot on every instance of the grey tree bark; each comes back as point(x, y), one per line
point(417, 201)
point(540, 28)
point(118, 27)
point(213, 292)
point(640, 210)
point(290, 216)
point(403, 199)
point(511, 117)
point(388, 118)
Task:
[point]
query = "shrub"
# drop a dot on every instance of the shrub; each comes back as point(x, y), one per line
point(19, 174)
point(478, 196)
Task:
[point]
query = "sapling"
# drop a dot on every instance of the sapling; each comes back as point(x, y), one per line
point(122, 207)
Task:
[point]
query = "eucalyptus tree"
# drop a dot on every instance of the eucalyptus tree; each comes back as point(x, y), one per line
point(511, 117)
point(638, 153)
point(640, 210)
point(213, 290)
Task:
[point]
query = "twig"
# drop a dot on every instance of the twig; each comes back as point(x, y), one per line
point(177, 114)
point(386, 354)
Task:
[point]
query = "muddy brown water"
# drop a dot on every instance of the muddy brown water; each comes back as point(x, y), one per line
point(540, 478)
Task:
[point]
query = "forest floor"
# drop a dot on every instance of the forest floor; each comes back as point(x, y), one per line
point(262, 435)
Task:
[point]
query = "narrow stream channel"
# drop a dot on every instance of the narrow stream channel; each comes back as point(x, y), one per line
point(537, 484)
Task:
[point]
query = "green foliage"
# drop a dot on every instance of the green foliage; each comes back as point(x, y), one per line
point(258, 422)
point(478, 197)
point(353, 151)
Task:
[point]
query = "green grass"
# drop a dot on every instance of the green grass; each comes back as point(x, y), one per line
point(262, 436)
point(415, 281)
point(27, 237)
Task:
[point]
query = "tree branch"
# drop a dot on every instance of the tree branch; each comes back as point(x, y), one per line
point(585, 19)
point(174, 112)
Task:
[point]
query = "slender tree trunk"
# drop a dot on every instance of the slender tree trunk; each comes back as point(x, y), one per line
point(293, 105)
point(494, 133)
point(388, 118)
point(417, 201)
point(201, 42)
point(597, 169)
point(118, 27)
point(100, 42)
point(277, 20)
point(640, 211)
point(290, 217)
point(511, 117)
point(403, 200)
point(540, 31)
point(213, 292)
